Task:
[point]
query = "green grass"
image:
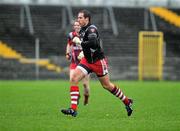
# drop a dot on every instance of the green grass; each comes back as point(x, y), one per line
point(35, 106)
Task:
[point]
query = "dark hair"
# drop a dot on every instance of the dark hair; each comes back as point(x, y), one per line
point(86, 13)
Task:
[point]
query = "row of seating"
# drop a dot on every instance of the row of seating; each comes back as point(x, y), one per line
point(11, 69)
point(9, 53)
point(167, 14)
point(171, 37)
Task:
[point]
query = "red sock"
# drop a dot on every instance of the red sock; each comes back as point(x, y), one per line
point(118, 93)
point(74, 92)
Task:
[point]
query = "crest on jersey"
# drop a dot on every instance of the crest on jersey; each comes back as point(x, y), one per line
point(92, 30)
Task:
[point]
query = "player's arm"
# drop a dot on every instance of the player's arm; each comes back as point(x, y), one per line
point(92, 38)
point(81, 55)
point(68, 52)
point(68, 48)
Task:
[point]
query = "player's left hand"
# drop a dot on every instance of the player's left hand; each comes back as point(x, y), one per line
point(76, 40)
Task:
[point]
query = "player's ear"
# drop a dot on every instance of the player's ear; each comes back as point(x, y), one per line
point(87, 19)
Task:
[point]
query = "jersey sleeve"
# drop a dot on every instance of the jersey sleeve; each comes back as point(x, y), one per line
point(92, 35)
point(92, 31)
point(71, 35)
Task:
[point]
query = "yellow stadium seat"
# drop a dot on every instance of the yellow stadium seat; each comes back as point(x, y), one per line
point(167, 15)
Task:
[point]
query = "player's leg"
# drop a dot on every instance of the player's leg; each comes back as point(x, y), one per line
point(76, 76)
point(102, 73)
point(71, 75)
point(105, 82)
point(71, 71)
point(85, 82)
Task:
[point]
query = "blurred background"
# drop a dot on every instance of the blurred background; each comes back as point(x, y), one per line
point(141, 38)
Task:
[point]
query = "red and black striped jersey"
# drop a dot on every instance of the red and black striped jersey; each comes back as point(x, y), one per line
point(75, 49)
point(91, 43)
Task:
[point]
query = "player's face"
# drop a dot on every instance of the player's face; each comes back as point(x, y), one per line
point(76, 26)
point(82, 20)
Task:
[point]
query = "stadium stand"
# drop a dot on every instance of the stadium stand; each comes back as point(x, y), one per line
point(171, 36)
point(11, 69)
point(8, 52)
point(18, 62)
point(122, 50)
point(166, 14)
point(172, 40)
point(47, 26)
point(11, 33)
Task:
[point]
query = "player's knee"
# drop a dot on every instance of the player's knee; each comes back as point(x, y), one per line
point(74, 80)
point(85, 85)
point(105, 86)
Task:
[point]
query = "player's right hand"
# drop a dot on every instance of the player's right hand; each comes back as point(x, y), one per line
point(68, 56)
point(76, 40)
point(81, 55)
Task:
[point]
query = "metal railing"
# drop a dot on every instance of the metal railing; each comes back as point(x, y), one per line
point(113, 21)
point(25, 13)
point(149, 18)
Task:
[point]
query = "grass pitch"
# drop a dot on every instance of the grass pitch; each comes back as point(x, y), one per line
point(35, 106)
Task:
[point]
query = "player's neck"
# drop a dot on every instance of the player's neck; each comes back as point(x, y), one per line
point(86, 25)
